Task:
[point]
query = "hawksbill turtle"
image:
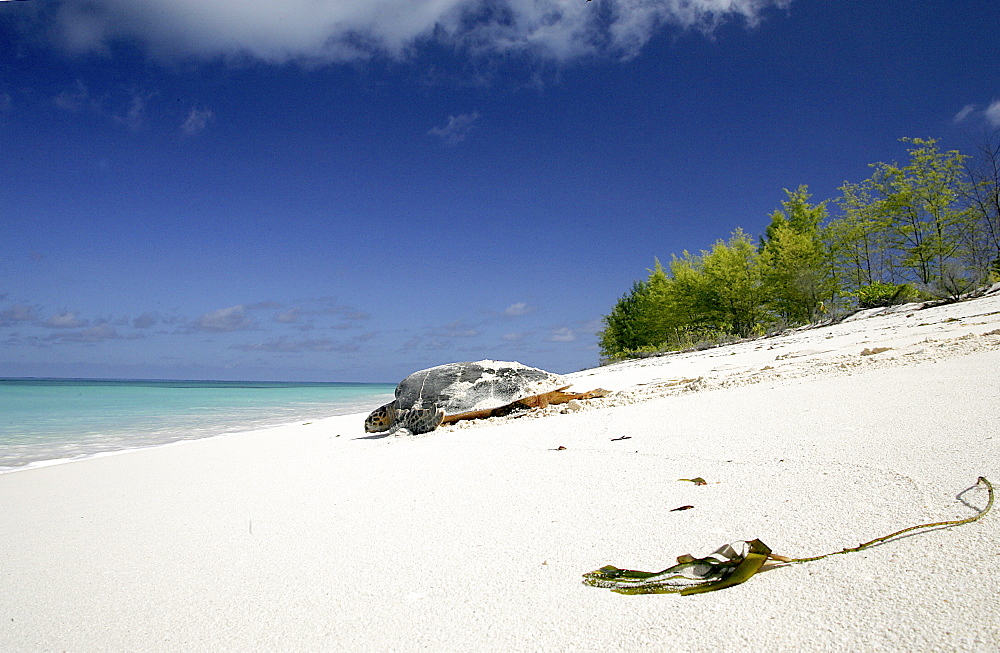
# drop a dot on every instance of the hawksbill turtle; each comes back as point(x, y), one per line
point(471, 390)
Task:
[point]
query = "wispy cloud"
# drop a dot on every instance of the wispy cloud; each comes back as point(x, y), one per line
point(18, 313)
point(356, 316)
point(316, 313)
point(459, 329)
point(563, 334)
point(75, 98)
point(196, 121)
point(264, 305)
point(127, 108)
point(146, 320)
point(964, 114)
point(88, 336)
point(456, 128)
point(343, 30)
point(444, 337)
point(65, 320)
point(233, 318)
point(288, 345)
point(991, 114)
point(288, 317)
point(94, 334)
point(135, 116)
point(518, 309)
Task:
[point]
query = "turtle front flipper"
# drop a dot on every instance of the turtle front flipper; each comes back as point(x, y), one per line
point(381, 418)
point(418, 420)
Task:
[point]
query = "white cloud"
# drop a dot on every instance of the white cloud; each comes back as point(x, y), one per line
point(355, 316)
point(517, 309)
point(342, 30)
point(993, 113)
point(75, 98)
point(966, 111)
point(456, 129)
point(135, 116)
point(197, 121)
point(563, 334)
point(288, 346)
point(65, 320)
point(17, 313)
point(233, 318)
point(971, 111)
point(288, 317)
point(264, 305)
point(98, 333)
point(129, 110)
point(459, 329)
point(145, 320)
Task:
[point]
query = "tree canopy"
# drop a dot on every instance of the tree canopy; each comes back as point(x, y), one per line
point(928, 228)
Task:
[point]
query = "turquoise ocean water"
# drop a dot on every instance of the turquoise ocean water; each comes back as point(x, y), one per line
point(45, 420)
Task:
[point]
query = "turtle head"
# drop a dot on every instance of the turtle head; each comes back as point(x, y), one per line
point(381, 418)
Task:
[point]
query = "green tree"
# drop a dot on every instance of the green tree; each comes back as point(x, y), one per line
point(983, 242)
point(922, 202)
point(860, 242)
point(798, 213)
point(658, 318)
point(931, 221)
point(639, 320)
point(797, 269)
point(622, 331)
point(715, 294)
point(734, 296)
point(688, 298)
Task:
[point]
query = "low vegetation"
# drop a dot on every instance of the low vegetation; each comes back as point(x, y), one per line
point(929, 229)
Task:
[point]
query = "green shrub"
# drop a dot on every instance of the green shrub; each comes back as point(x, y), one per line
point(881, 293)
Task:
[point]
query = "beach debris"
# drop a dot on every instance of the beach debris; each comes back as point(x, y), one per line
point(874, 350)
point(732, 564)
point(559, 448)
point(456, 391)
point(697, 480)
point(624, 437)
point(681, 508)
point(802, 353)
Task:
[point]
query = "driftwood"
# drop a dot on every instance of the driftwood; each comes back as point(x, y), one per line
point(555, 397)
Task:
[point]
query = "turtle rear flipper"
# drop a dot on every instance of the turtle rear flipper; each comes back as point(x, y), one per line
point(419, 420)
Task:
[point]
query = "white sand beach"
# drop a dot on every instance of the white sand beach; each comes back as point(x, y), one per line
point(474, 537)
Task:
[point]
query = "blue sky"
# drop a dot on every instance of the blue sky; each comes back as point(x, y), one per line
point(350, 190)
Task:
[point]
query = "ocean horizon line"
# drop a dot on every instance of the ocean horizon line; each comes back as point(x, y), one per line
point(87, 379)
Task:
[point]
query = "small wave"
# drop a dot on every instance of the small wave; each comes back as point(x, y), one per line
point(108, 418)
